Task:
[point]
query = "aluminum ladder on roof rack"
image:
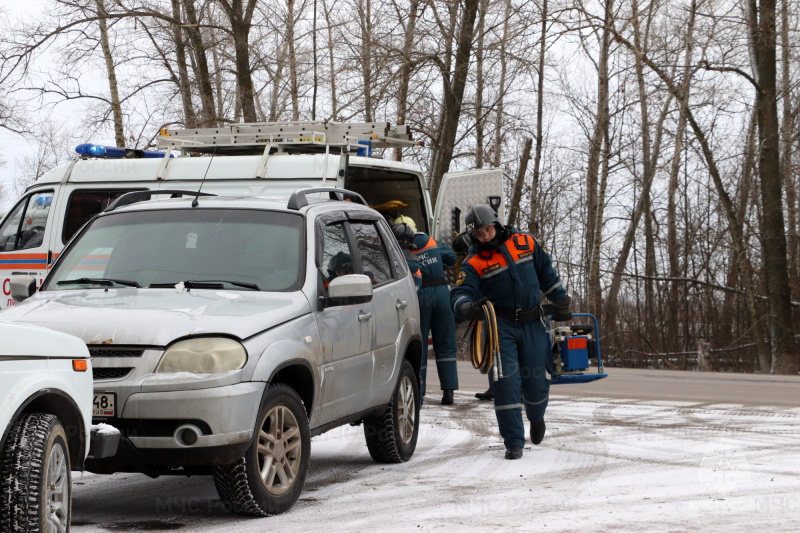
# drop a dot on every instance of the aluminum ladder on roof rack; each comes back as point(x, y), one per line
point(302, 137)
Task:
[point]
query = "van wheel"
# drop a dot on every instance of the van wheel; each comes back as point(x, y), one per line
point(35, 478)
point(270, 476)
point(392, 437)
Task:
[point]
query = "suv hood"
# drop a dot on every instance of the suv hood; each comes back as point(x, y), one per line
point(157, 317)
point(30, 341)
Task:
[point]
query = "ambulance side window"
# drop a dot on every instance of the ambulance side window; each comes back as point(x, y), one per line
point(84, 204)
point(25, 226)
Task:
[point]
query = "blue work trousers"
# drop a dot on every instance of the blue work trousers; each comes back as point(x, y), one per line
point(437, 317)
point(523, 353)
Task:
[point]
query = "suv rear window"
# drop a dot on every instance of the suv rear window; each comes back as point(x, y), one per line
point(265, 248)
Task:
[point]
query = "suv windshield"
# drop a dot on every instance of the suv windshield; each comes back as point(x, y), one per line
point(234, 249)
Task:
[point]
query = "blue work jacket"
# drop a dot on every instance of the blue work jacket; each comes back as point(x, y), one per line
point(513, 276)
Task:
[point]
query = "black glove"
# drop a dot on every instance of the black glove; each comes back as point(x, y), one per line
point(461, 243)
point(470, 311)
point(563, 312)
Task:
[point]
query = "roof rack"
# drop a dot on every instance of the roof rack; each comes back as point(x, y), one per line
point(298, 198)
point(142, 196)
point(290, 137)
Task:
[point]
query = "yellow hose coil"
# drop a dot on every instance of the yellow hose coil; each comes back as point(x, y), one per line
point(484, 342)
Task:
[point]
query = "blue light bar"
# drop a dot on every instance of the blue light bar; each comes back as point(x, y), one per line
point(96, 150)
point(366, 151)
point(114, 152)
point(148, 154)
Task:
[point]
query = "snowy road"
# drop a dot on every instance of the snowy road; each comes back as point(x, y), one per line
point(605, 465)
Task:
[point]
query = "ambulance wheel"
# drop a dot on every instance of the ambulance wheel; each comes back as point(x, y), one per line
point(35, 483)
point(270, 476)
point(392, 437)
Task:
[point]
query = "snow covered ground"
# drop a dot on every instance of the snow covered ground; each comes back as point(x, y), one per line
point(605, 465)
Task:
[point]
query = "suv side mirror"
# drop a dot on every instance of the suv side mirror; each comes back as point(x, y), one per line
point(350, 289)
point(22, 287)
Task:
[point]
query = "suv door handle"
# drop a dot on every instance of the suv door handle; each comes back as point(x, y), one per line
point(364, 317)
point(401, 304)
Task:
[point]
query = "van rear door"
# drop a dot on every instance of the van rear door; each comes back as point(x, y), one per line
point(459, 191)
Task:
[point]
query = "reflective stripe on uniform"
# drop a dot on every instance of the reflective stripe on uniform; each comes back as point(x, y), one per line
point(551, 289)
point(447, 359)
point(495, 272)
point(458, 302)
point(536, 403)
point(509, 406)
point(430, 244)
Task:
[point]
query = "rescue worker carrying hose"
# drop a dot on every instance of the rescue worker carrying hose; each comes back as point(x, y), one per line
point(405, 238)
point(511, 269)
point(434, 309)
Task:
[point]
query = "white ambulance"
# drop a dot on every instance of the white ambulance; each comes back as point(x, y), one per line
point(262, 159)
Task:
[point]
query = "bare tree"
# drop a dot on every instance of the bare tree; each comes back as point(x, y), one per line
point(454, 83)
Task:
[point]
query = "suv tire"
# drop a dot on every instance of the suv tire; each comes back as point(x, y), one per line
point(35, 476)
point(392, 437)
point(281, 449)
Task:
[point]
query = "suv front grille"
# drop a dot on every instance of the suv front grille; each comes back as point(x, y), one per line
point(110, 373)
point(115, 351)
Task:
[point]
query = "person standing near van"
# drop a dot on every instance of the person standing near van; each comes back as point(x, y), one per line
point(436, 316)
point(405, 238)
point(512, 270)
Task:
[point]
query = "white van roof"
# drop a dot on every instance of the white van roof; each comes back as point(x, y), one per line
point(186, 168)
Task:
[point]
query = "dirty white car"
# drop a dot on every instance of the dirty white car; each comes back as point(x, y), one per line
point(45, 426)
point(226, 332)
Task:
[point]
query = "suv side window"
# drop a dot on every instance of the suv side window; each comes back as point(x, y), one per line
point(374, 259)
point(396, 255)
point(25, 226)
point(337, 258)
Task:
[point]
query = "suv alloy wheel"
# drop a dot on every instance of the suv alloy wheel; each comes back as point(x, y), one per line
point(392, 437)
point(270, 477)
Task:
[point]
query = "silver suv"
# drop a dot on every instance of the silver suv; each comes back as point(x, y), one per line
point(226, 332)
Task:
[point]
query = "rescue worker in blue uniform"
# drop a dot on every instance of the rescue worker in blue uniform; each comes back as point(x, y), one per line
point(405, 238)
point(512, 270)
point(434, 309)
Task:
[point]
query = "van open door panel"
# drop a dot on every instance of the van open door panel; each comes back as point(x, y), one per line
point(459, 191)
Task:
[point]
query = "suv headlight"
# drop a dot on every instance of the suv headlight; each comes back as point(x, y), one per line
point(205, 355)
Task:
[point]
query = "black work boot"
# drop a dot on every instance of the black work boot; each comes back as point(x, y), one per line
point(485, 396)
point(537, 431)
point(447, 397)
point(514, 452)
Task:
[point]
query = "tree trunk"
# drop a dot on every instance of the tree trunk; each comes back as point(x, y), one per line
point(593, 166)
point(787, 136)
point(453, 96)
point(479, 84)
point(533, 220)
point(499, 115)
point(405, 70)
point(331, 60)
point(673, 252)
point(189, 116)
point(277, 79)
point(215, 57)
point(294, 88)
point(240, 18)
point(208, 117)
point(365, 16)
point(773, 235)
point(116, 106)
point(519, 182)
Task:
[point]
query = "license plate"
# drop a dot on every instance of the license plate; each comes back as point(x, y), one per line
point(105, 404)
